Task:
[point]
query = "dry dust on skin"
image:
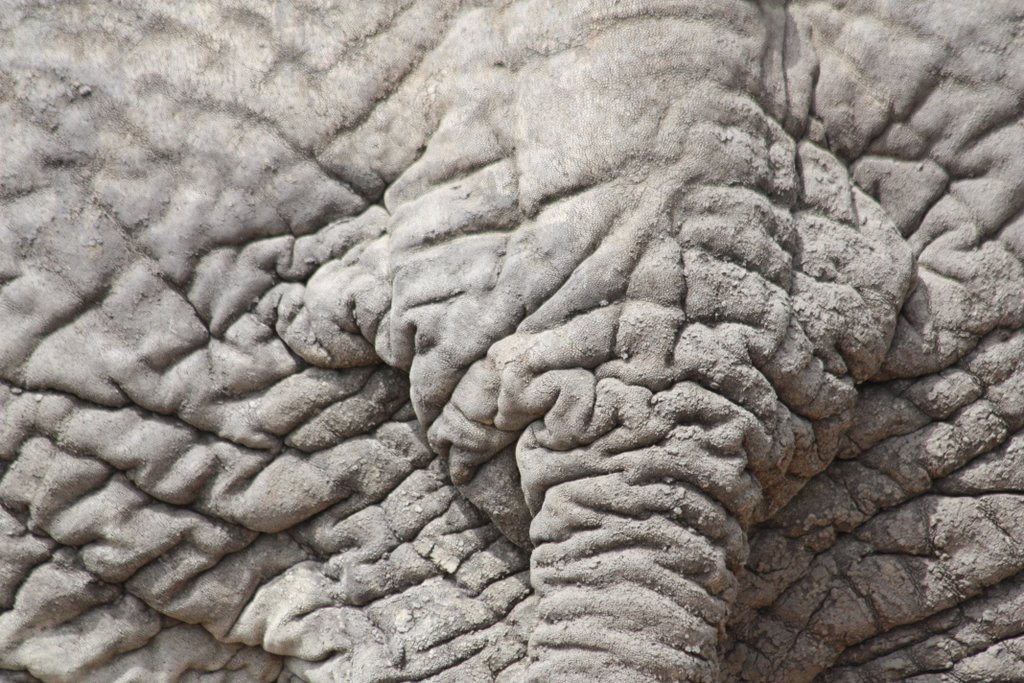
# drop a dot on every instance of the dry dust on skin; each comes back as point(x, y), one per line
point(205, 454)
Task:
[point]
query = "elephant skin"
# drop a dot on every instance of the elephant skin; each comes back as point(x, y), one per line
point(520, 341)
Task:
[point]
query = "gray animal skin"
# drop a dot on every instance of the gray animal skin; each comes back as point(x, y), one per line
point(521, 341)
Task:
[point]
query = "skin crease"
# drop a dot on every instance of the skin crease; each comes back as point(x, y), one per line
point(522, 341)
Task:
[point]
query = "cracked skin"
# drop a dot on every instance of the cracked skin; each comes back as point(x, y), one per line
point(516, 341)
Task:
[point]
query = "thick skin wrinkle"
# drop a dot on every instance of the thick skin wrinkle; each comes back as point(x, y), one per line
point(514, 341)
point(779, 323)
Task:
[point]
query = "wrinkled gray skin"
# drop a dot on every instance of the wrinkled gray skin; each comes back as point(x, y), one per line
point(518, 341)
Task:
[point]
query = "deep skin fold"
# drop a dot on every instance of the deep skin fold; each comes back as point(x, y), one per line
point(522, 379)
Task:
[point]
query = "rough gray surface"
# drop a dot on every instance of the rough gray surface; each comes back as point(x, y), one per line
point(556, 340)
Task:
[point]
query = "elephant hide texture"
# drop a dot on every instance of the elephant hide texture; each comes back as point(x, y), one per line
point(521, 341)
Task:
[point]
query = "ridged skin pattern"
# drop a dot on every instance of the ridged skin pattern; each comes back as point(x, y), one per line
point(536, 341)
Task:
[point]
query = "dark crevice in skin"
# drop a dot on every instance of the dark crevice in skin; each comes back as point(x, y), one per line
point(483, 229)
point(909, 494)
point(569, 192)
point(84, 306)
point(928, 207)
point(854, 498)
point(8, 197)
point(21, 676)
point(408, 71)
point(299, 426)
point(918, 632)
point(239, 111)
point(359, 41)
point(28, 569)
point(252, 597)
point(25, 519)
point(881, 630)
point(453, 663)
point(176, 624)
point(865, 600)
point(181, 289)
point(785, 42)
point(148, 413)
point(250, 116)
point(69, 555)
point(515, 662)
